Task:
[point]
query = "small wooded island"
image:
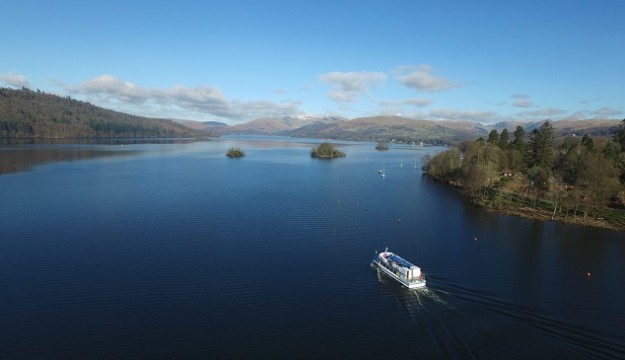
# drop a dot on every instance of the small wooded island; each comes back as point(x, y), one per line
point(326, 151)
point(382, 145)
point(235, 152)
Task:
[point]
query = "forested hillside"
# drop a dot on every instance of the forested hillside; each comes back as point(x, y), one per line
point(34, 114)
point(575, 179)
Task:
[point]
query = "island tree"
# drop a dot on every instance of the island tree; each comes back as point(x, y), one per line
point(326, 151)
point(382, 145)
point(235, 152)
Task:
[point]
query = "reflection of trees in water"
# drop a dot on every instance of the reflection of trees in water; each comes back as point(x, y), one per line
point(22, 154)
point(15, 160)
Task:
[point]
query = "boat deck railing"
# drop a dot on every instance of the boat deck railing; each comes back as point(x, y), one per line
point(420, 278)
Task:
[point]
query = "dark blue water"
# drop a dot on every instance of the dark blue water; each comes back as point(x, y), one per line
point(176, 251)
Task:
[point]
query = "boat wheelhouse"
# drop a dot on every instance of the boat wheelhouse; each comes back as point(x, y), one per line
point(400, 269)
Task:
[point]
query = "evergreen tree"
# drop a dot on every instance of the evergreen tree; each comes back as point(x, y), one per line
point(504, 139)
point(519, 139)
point(493, 137)
point(540, 147)
point(588, 143)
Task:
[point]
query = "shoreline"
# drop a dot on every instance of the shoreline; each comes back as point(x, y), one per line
point(537, 214)
point(543, 215)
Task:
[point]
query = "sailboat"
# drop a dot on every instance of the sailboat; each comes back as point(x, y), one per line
point(382, 172)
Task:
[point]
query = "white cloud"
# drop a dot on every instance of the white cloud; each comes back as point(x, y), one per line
point(421, 79)
point(522, 101)
point(109, 85)
point(402, 106)
point(484, 117)
point(607, 112)
point(14, 79)
point(201, 100)
point(347, 86)
point(261, 108)
point(593, 100)
point(580, 114)
point(204, 99)
point(546, 112)
point(417, 102)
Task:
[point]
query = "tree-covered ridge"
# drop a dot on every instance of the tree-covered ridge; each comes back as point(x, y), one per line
point(34, 114)
point(573, 178)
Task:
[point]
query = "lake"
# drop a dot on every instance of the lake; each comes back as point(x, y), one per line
point(172, 250)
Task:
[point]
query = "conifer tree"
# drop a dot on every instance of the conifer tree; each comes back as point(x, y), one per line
point(540, 147)
point(519, 139)
point(504, 139)
point(493, 137)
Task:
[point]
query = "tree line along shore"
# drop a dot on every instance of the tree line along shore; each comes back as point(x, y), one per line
point(574, 179)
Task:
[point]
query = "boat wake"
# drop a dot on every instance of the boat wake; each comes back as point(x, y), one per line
point(414, 300)
point(527, 322)
point(448, 312)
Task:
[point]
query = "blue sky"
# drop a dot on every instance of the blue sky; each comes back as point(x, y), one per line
point(235, 61)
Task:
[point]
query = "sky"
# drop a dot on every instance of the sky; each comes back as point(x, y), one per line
point(234, 61)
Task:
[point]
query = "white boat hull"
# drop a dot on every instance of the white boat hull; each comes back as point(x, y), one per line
point(401, 275)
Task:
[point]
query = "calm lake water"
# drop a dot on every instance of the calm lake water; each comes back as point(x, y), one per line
point(173, 250)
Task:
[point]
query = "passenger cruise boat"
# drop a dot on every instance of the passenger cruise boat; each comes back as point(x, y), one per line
point(400, 269)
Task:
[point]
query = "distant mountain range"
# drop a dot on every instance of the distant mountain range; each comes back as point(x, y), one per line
point(27, 113)
point(395, 128)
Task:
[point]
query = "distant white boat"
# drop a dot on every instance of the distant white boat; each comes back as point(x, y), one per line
point(382, 171)
point(400, 269)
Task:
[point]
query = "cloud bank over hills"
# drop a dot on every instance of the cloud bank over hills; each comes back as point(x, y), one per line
point(209, 102)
